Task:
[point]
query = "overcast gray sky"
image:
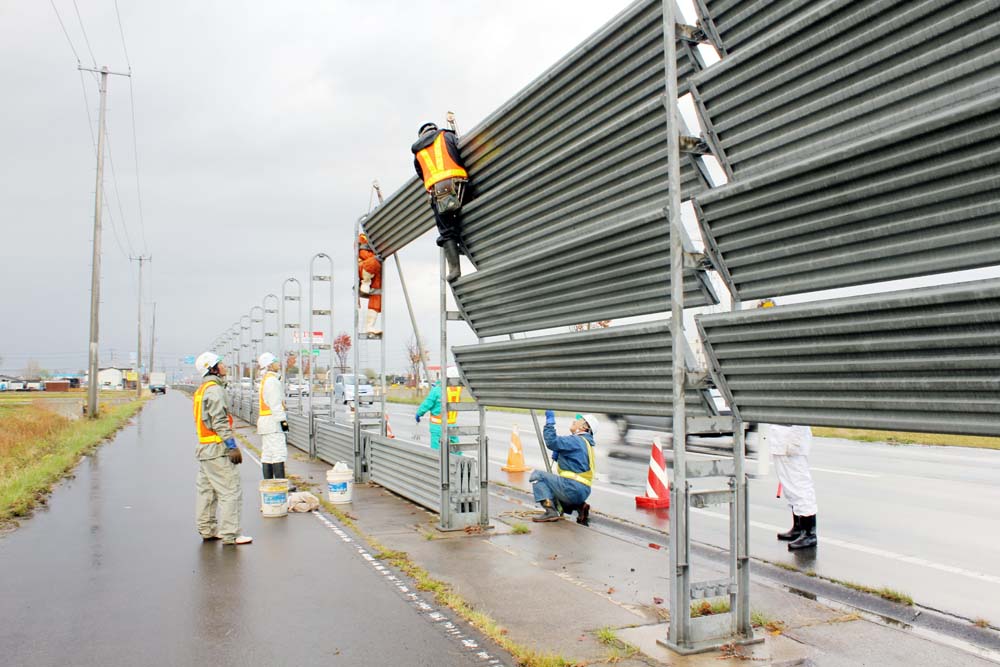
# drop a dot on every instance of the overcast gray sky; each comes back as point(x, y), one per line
point(260, 127)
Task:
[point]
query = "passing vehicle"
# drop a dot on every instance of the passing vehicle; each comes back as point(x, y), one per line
point(298, 387)
point(158, 383)
point(343, 389)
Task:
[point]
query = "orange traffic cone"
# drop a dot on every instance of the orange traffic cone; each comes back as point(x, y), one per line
point(388, 429)
point(515, 454)
point(657, 486)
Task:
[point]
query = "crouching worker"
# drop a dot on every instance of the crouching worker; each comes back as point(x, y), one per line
point(567, 489)
point(218, 484)
point(272, 422)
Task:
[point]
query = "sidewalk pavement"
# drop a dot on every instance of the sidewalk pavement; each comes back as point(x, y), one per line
point(554, 588)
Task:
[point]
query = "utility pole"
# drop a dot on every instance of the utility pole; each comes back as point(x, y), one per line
point(138, 356)
point(95, 266)
point(152, 340)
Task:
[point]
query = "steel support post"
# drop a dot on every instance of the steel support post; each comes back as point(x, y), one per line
point(315, 348)
point(256, 342)
point(680, 592)
point(356, 342)
point(245, 353)
point(413, 319)
point(445, 445)
point(740, 601)
point(296, 327)
point(271, 333)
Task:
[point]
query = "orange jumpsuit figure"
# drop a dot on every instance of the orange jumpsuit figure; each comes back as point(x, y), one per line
point(370, 275)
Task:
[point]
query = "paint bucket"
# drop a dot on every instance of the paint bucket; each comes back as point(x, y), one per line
point(339, 484)
point(274, 497)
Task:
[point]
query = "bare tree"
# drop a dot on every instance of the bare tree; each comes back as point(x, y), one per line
point(32, 370)
point(413, 358)
point(341, 347)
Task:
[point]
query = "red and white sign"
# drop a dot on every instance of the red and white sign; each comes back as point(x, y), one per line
point(297, 337)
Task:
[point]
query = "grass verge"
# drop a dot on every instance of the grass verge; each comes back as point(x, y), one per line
point(709, 607)
point(907, 438)
point(39, 447)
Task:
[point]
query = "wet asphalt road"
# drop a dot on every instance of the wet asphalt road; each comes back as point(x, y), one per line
point(114, 573)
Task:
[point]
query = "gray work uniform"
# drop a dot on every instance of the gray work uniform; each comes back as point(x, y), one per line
point(218, 484)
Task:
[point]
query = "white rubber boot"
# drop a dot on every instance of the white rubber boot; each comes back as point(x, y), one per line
point(370, 326)
point(366, 284)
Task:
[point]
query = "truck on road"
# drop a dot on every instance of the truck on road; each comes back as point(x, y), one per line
point(157, 383)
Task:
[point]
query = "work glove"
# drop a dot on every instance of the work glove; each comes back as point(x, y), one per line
point(235, 456)
point(284, 426)
point(418, 419)
point(230, 443)
point(550, 417)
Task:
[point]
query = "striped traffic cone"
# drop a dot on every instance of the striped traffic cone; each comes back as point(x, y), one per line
point(515, 454)
point(657, 486)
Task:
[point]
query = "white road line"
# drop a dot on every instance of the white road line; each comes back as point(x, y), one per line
point(845, 472)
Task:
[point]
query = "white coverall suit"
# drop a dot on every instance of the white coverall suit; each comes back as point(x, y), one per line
point(273, 446)
point(789, 446)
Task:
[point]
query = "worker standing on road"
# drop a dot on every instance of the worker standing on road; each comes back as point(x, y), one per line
point(370, 274)
point(789, 447)
point(439, 165)
point(218, 484)
point(272, 424)
point(432, 404)
point(570, 486)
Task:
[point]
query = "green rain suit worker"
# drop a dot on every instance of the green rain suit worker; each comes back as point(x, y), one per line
point(218, 485)
point(432, 404)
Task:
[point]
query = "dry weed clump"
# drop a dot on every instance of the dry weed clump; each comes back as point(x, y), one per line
point(26, 435)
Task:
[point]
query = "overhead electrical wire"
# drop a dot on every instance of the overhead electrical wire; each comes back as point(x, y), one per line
point(86, 40)
point(65, 32)
point(135, 141)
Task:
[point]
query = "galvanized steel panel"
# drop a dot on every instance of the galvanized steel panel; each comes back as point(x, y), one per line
point(571, 132)
point(613, 271)
point(413, 471)
point(298, 431)
point(848, 69)
point(334, 442)
point(920, 199)
point(917, 360)
point(624, 370)
point(734, 24)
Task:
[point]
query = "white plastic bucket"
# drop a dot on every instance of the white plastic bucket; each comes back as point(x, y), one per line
point(274, 497)
point(339, 484)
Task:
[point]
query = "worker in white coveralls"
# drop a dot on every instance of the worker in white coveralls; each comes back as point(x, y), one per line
point(789, 447)
point(218, 486)
point(272, 423)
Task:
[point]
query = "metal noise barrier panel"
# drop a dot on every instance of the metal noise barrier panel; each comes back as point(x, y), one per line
point(613, 81)
point(614, 271)
point(846, 70)
point(923, 360)
point(408, 469)
point(298, 432)
point(920, 199)
point(625, 370)
point(732, 25)
point(335, 443)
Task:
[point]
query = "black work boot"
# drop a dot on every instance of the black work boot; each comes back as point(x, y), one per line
point(267, 469)
point(279, 473)
point(550, 513)
point(795, 531)
point(808, 537)
point(583, 515)
point(451, 256)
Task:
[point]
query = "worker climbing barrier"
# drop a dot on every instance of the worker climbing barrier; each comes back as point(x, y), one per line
point(588, 128)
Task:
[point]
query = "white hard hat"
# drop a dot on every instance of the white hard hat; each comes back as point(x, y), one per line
point(591, 420)
point(205, 361)
point(266, 360)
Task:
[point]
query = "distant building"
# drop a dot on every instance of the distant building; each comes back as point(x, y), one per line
point(111, 378)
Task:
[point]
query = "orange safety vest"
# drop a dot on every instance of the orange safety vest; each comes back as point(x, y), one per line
point(582, 477)
point(206, 435)
point(264, 408)
point(437, 165)
point(454, 396)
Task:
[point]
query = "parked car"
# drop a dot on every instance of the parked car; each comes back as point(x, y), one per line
point(343, 389)
point(296, 388)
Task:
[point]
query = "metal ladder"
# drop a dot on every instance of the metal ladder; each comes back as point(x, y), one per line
point(315, 349)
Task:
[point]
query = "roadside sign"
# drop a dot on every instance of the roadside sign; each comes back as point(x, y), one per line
point(189, 359)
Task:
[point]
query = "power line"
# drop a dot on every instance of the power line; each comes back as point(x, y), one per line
point(135, 141)
point(121, 31)
point(66, 33)
point(86, 40)
point(118, 196)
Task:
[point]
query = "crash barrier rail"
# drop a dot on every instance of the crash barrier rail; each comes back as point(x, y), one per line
point(298, 432)
point(575, 134)
point(411, 470)
point(889, 168)
point(334, 442)
point(917, 360)
point(624, 369)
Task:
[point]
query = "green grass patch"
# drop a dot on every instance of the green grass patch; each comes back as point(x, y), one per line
point(981, 623)
point(883, 592)
point(907, 437)
point(39, 447)
point(761, 620)
point(709, 607)
point(520, 529)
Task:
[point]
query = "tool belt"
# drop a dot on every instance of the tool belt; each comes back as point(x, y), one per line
point(447, 194)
